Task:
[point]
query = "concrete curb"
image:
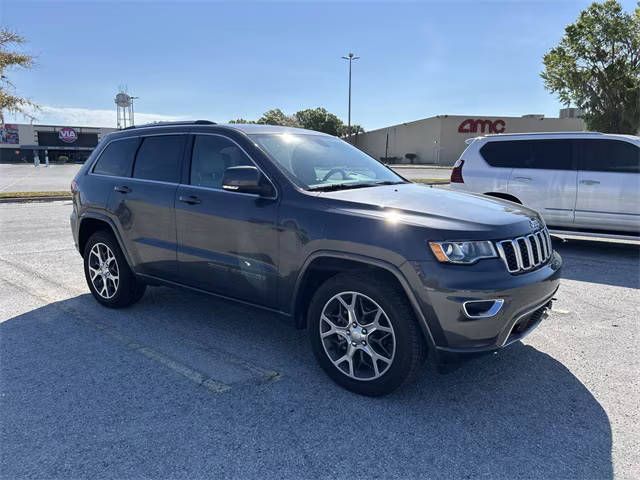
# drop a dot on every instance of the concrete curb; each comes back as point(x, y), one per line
point(34, 199)
point(419, 166)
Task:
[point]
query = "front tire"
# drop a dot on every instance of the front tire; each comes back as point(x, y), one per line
point(364, 334)
point(107, 272)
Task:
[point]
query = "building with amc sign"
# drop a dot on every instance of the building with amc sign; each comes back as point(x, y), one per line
point(20, 142)
point(440, 140)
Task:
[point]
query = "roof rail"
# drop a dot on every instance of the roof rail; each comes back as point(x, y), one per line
point(541, 133)
point(171, 124)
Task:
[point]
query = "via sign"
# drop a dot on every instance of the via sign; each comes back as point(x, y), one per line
point(482, 126)
point(67, 135)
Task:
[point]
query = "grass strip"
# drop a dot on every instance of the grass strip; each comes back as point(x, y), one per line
point(63, 193)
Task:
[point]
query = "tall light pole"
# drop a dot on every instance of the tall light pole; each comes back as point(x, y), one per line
point(351, 58)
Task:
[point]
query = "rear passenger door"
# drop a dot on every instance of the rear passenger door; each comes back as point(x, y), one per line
point(544, 178)
point(608, 185)
point(227, 241)
point(143, 205)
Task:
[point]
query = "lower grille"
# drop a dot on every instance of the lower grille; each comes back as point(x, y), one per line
point(528, 322)
point(526, 253)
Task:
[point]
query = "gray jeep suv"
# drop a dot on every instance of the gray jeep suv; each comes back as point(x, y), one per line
point(382, 272)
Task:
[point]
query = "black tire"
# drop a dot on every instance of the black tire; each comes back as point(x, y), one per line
point(129, 290)
point(410, 345)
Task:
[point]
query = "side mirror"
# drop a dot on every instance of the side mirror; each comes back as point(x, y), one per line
point(246, 179)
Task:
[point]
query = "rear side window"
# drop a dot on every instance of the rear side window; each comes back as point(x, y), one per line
point(543, 154)
point(550, 154)
point(506, 154)
point(117, 157)
point(212, 155)
point(159, 158)
point(608, 156)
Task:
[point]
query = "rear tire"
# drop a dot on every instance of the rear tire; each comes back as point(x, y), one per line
point(107, 272)
point(364, 334)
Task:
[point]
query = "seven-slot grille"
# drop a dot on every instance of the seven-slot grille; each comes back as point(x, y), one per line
point(526, 253)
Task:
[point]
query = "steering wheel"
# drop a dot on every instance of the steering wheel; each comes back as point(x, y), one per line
point(334, 171)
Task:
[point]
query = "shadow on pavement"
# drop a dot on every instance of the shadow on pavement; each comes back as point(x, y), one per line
point(77, 402)
point(609, 263)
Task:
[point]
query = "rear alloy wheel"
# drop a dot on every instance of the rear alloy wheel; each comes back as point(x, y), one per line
point(108, 275)
point(364, 334)
point(103, 270)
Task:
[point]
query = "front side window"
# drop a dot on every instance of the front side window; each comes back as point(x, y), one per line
point(319, 161)
point(211, 156)
point(117, 158)
point(159, 158)
point(608, 156)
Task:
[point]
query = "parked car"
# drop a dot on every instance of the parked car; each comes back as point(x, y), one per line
point(586, 182)
point(382, 272)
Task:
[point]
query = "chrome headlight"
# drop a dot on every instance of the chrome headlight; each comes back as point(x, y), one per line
point(463, 252)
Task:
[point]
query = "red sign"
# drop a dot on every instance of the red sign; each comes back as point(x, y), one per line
point(67, 135)
point(482, 126)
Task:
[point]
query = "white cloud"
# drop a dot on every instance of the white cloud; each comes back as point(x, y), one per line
point(87, 117)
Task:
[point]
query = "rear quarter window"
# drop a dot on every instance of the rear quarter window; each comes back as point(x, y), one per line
point(117, 157)
point(539, 154)
point(506, 154)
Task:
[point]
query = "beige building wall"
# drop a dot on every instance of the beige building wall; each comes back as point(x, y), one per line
point(440, 140)
point(420, 137)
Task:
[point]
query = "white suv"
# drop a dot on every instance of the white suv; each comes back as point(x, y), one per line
point(577, 181)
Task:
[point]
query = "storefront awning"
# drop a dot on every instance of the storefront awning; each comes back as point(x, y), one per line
point(55, 147)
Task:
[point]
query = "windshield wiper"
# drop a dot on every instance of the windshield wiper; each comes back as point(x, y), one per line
point(340, 186)
point(390, 182)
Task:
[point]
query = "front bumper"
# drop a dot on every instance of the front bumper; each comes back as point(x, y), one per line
point(442, 290)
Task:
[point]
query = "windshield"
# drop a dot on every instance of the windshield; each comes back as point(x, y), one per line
point(319, 162)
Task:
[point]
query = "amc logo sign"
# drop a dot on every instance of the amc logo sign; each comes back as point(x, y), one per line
point(482, 126)
point(67, 135)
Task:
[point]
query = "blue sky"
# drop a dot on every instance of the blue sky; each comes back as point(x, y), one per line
point(220, 60)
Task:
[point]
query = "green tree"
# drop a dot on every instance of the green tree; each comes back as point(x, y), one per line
point(277, 117)
point(241, 120)
point(320, 120)
point(9, 58)
point(355, 130)
point(596, 66)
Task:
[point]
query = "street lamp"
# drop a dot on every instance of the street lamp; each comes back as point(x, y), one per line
point(351, 58)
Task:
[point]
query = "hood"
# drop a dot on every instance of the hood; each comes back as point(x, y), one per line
point(458, 215)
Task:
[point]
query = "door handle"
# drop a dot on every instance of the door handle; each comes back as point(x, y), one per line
point(590, 182)
point(191, 200)
point(122, 189)
point(524, 179)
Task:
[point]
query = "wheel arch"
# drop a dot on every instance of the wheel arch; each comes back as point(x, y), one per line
point(322, 265)
point(93, 222)
point(504, 196)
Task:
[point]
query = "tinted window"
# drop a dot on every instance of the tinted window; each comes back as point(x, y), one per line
point(546, 154)
point(159, 158)
point(506, 154)
point(117, 158)
point(212, 155)
point(608, 156)
point(550, 154)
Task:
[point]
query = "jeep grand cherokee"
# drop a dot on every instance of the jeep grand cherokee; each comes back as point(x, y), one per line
point(382, 272)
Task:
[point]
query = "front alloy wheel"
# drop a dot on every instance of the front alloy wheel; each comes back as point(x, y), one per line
point(364, 333)
point(357, 336)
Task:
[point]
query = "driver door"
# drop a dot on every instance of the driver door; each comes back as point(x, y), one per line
point(227, 241)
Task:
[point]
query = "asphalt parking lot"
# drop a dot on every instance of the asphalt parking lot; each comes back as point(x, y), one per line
point(27, 178)
point(188, 386)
